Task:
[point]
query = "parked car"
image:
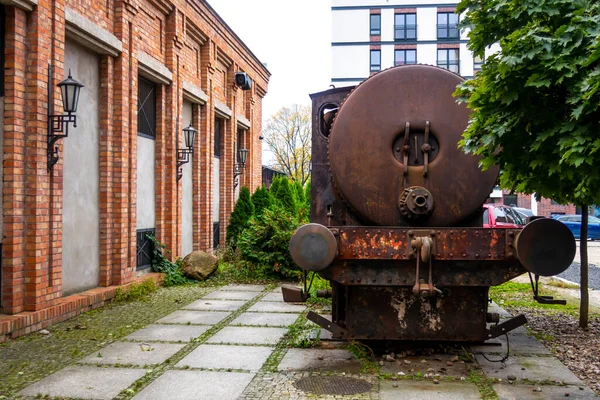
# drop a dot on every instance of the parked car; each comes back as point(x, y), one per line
point(524, 212)
point(500, 216)
point(573, 222)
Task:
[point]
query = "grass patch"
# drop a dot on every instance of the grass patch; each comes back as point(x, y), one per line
point(136, 291)
point(483, 383)
point(561, 284)
point(241, 272)
point(515, 294)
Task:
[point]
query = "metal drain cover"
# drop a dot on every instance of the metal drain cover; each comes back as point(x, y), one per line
point(332, 385)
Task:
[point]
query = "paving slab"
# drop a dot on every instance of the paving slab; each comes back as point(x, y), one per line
point(265, 319)
point(277, 296)
point(169, 333)
point(529, 392)
point(133, 353)
point(273, 306)
point(529, 367)
point(85, 382)
point(215, 305)
point(338, 360)
point(196, 385)
point(194, 317)
point(441, 364)
point(427, 390)
point(244, 288)
point(249, 358)
point(231, 295)
point(248, 335)
point(519, 344)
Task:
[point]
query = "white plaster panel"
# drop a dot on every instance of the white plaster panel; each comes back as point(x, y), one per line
point(466, 60)
point(380, 3)
point(146, 160)
point(427, 54)
point(387, 56)
point(187, 192)
point(350, 61)
point(350, 26)
point(81, 179)
point(427, 23)
point(495, 48)
point(387, 24)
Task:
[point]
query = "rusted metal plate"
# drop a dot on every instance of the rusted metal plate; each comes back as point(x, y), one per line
point(366, 243)
point(363, 158)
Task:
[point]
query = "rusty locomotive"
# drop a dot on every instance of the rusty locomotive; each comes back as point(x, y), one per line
point(396, 215)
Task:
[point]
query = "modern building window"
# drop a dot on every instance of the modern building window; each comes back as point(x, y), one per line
point(146, 108)
point(477, 63)
point(448, 58)
point(402, 57)
point(145, 248)
point(447, 26)
point(405, 26)
point(375, 60)
point(375, 24)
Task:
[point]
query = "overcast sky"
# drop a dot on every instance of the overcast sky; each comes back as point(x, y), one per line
point(292, 37)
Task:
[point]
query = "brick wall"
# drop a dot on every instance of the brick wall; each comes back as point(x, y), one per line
point(197, 48)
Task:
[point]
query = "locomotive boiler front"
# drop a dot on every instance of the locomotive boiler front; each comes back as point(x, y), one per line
point(396, 216)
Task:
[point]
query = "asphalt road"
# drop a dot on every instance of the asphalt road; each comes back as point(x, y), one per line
point(573, 273)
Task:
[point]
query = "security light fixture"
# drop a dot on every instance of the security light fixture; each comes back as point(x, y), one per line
point(57, 124)
point(184, 155)
point(243, 80)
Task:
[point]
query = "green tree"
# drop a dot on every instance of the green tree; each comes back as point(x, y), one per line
point(284, 197)
point(261, 200)
point(275, 184)
point(300, 200)
point(307, 194)
point(242, 212)
point(536, 102)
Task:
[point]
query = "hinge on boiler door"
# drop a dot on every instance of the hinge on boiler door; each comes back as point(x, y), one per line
point(422, 246)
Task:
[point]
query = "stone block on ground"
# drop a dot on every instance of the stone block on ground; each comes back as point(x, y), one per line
point(85, 382)
point(442, 364)
point(427, 390)
point(273, 306)
point(248, 335)
point(244, 288)
point(231, 295)
point(265, 319)
point(337, 360)
point(215, 305)
point(277, 296)
point(208, 356)
point(529, 392)
point(169, 333)
point(194, 317)
point(199, 265)
point(133, 353)
point(529, 367)
point(196, 385)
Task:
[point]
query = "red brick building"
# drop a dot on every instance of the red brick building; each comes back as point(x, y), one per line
point(150, 68)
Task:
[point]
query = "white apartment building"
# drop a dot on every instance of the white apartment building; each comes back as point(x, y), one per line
point(371, 35)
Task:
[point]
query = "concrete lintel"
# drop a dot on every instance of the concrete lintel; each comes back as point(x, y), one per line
point(222, 110)
point(153, 69)
point(243, 121)
point(26, 5)
point(193, 93)
point(90, 35)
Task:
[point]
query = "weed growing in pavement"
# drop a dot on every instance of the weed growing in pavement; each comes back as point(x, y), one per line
point(366, 357)
point(173, 273)
point(301, 332)
point(483, 383)
point(561, 284)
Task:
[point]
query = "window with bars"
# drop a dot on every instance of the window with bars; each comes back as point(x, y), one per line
point(375, 25)
point(405, 26)
point(402, 57)
point(145, 248)
point(448, 59)
point(447, 26)
point(217, 144)
point(375, 60)
point(216, 234)
point(146, 108)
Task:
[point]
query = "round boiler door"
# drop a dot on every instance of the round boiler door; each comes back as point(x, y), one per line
point(313, 247)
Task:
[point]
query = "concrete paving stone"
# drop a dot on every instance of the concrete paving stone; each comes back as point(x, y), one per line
point(196, 385)
point(529, 367)
point(133, 353)
point(215, 305)
point(437, 362)
point(221, 356)
point(427, 390)
point(231, 295)
point(248, 335)
point(265, 319)
point(529, 392)
point(273, 306)
point(519, 344)
point(244, 288)
point(338, 360)
point(85, 382)
point(273, 296)
point(169, 333)
point(194, 317)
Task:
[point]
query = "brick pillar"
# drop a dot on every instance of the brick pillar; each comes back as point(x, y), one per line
point(13, 245)
point(228, 158)
point(199, 180)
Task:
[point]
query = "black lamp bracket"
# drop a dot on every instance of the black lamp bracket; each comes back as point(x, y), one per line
point(238, 169)
point(183, 157)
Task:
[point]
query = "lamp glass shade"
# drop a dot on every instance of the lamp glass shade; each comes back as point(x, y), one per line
point(242, 156)
point(189, 134)
point(69, 89)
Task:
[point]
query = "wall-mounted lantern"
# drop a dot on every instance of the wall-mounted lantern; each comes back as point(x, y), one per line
point(184, 155)
point(69, 89)
point(242, 156)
